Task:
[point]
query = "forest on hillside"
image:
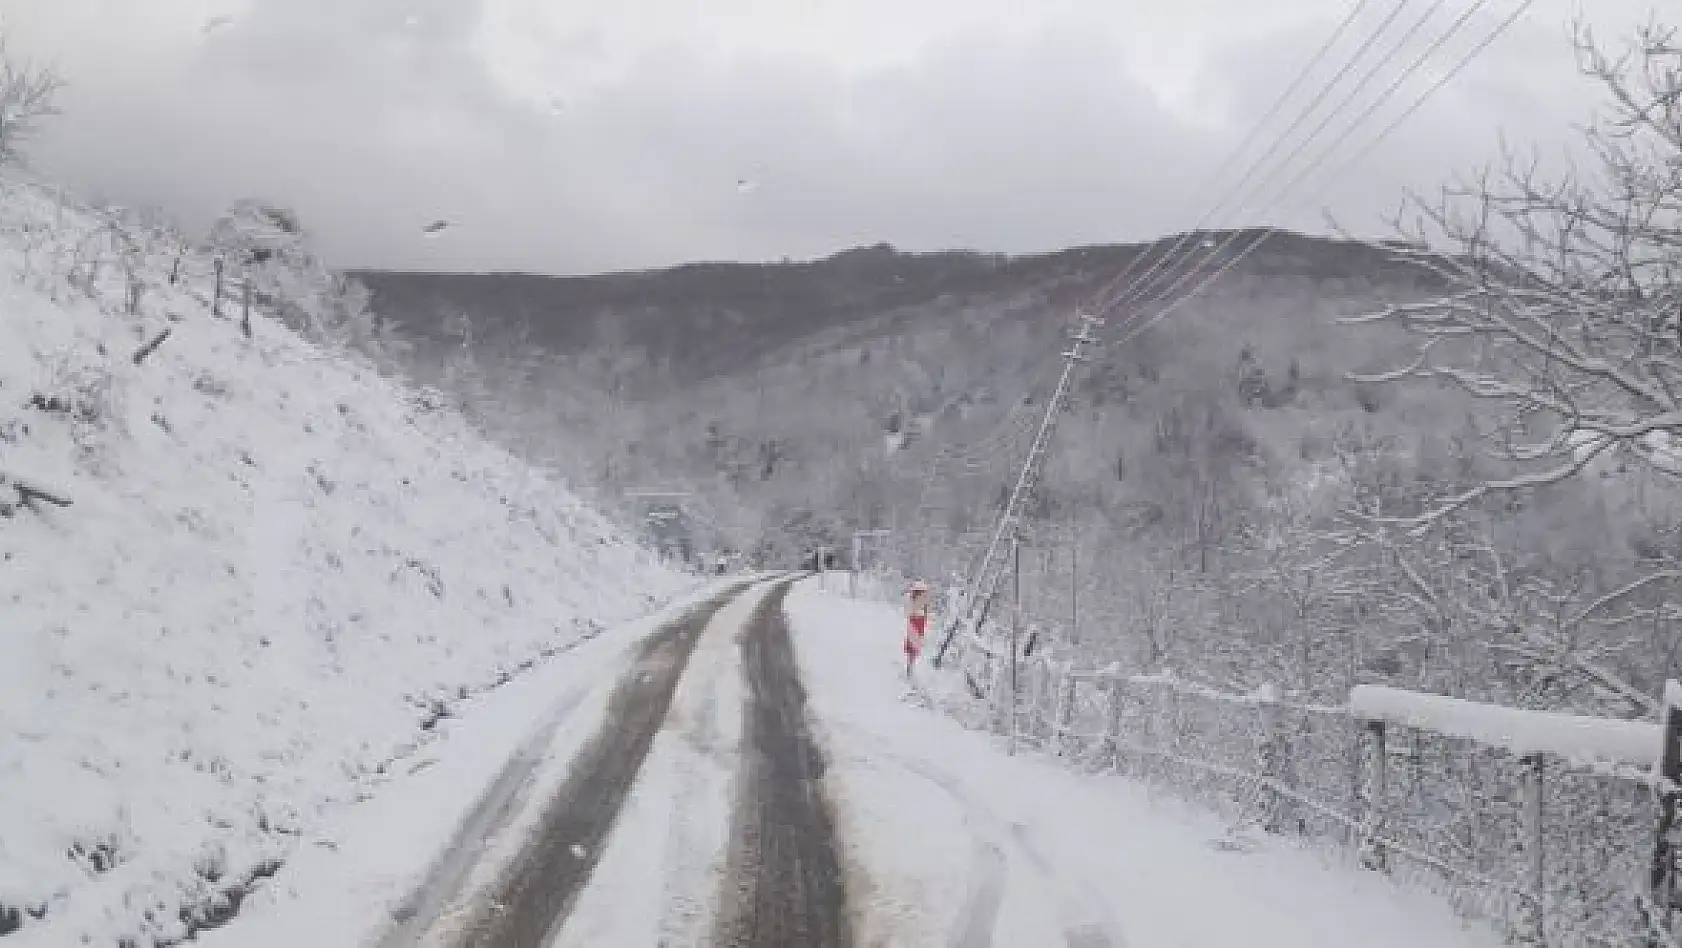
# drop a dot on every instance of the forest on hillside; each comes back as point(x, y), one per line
point(1465, 492)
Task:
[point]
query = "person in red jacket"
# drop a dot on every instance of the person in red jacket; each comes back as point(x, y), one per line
point(916, 621)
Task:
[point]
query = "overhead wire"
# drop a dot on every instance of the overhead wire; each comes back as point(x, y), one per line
point(1014, 424)
point(1255, 130)
point(1237, 187)
point(1143, 291)
point(1134, 328)
point(1257, 240)
point(1324, 154)
point(1279, 103)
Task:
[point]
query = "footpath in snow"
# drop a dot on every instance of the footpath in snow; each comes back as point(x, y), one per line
point(948, 841)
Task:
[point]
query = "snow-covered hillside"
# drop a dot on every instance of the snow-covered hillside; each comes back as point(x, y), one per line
point(278, 570)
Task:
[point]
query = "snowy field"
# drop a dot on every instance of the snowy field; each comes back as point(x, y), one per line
point(952, 842)
point(280, 572)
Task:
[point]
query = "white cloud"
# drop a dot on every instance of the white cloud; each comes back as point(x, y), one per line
point(598, 134)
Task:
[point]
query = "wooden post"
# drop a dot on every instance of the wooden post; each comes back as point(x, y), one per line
point(1536, 928)
point(1066, 709)
point(1658, 911)
point(151, 346)
point(998, 676)
point(1112, 733)
point(1046, 689)
point(245, 318)
point(1272, 755)
point(1371, 851)
point(1031, 695)
point(1169, 717)
point(216, 298)
point(1354, 751)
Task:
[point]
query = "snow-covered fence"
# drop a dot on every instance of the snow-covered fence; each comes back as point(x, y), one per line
point(1568, 785)
point(1554, 826)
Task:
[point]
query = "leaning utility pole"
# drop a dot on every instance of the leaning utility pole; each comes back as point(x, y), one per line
point(983, 585)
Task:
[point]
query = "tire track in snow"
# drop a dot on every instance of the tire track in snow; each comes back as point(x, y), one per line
point(1086, 921)
point(493, 812)
point(534, 896)
point(981, 905)
point(784, 883)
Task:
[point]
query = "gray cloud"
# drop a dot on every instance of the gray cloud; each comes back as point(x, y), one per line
point(373, 117)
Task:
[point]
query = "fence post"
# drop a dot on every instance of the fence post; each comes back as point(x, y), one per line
point(216, 298)
point(1372, 854)
point(1043, 716)
point(1272, 755)
point(1659, 908)
point(1112, 731)
point(1536, 930)
point(1066, 710)
point(1157, 724)
point(998, 674)
point(245, 319)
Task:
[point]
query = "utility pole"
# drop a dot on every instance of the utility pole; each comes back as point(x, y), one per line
point(983, 584)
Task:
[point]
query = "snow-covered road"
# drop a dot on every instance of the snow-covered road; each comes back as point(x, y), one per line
point(692, 813)
point(753, 771)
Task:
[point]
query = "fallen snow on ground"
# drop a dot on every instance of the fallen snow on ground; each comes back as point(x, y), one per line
point(949, 841)
point(279, 570)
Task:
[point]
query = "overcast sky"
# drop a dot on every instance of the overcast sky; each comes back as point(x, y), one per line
point(571, 136)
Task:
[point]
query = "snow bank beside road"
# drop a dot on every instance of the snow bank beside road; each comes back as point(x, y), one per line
point(279, 571)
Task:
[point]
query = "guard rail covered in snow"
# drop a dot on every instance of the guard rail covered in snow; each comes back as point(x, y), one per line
point(1577, 738)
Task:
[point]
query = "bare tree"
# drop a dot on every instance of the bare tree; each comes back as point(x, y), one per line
point(1316, 571)
point(27, 95)
point(1563, 308)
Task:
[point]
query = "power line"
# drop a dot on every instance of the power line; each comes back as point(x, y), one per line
point(1477, 50)
point(1237, 187)
point(980, 576)
point(1354, 91)
point(1326, 153)
point(1095, 300)
point(981, 579)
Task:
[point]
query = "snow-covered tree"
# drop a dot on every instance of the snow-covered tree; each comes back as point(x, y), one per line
point(27, 95)
point(1563, 301)
point(267, 247)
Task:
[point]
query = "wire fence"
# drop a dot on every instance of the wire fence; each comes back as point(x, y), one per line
point(1551, 852)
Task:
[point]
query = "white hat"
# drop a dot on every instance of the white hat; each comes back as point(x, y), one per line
point(919, 586)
